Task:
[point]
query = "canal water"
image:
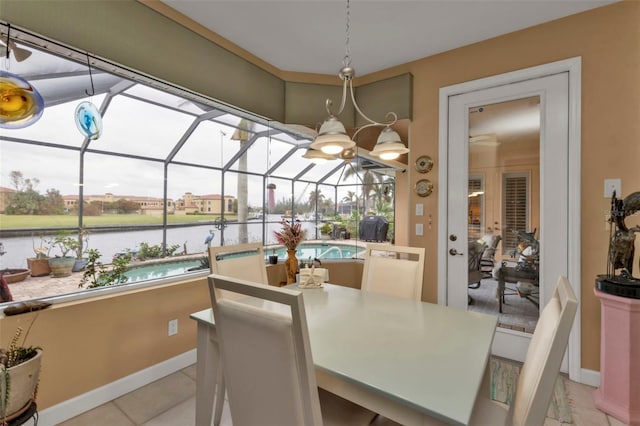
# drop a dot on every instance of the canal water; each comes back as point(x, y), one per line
point(190, 239)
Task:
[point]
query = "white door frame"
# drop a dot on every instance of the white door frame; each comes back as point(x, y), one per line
point(574, 67)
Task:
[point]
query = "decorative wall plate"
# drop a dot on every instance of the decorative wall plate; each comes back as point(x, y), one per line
point(424, 163)
point(423, 187)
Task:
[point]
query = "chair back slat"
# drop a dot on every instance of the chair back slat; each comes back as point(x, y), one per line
point(542, 363)
point(393, 270)
point(244, 261)
point(266, 355)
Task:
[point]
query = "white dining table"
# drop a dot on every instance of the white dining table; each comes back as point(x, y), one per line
point(413, 362)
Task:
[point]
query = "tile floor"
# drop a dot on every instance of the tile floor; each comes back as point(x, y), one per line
point(170, 401)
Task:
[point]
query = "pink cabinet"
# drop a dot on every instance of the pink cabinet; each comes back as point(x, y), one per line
point(619, 391)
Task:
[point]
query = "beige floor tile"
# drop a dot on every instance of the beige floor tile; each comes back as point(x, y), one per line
point(183, 414)
point(190, 371)
point(104, 415)
point(155, 398)
point(615, 422)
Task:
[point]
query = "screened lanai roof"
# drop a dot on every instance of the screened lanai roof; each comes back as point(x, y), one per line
point(164, 123)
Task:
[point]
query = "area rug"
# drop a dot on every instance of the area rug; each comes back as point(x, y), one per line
point(504, 376)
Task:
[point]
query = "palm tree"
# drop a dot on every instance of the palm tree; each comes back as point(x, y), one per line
point(242, 134)
point(315, 199)
point(349, 198)
point(368, 178)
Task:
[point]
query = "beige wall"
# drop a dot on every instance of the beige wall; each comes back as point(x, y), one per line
point(607, 39)
point(91, 343)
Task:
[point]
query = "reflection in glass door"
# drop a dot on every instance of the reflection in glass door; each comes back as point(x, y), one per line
point(503, 211)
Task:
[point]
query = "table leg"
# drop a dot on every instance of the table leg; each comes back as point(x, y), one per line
point(207, 362)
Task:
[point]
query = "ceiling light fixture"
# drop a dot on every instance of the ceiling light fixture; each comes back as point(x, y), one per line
point(332, 137)
point(318, 157)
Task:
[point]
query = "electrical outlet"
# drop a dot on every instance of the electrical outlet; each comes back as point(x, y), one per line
point(611, 185)
point(173, 327)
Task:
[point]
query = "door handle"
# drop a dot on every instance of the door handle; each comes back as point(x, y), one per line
point(454, 252)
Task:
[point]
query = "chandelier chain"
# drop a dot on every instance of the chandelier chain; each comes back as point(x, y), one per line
point(347, 56)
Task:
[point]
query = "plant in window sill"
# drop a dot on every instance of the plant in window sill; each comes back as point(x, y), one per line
point(19, 376)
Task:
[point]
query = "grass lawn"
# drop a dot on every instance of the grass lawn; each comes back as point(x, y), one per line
point(70, 221)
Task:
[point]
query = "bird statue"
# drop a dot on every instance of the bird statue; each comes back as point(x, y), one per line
point(207, 241)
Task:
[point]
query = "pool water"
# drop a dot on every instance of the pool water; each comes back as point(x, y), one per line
point(319, 250)
point(160, 270)
point(305, 251)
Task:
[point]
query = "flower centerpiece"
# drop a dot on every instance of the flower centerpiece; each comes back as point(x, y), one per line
point(290, 236)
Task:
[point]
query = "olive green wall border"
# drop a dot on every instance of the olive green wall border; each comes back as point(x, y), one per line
point(129, 33)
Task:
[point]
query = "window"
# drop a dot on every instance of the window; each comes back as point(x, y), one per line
point(515, 208)
point(172, 172)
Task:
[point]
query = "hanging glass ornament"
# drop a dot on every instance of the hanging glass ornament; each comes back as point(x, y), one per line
point(89, 120)
point(20, 103)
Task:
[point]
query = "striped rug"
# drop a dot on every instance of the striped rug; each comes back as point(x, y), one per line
point(504, 376)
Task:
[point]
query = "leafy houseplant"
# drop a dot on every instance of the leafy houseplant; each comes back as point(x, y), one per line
point(39, 265)
point(19, 376)
point(61, 266)
point(325, 229)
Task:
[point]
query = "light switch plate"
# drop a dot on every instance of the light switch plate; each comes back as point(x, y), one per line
point(419, 209)
point(419, 229)
point(611, 185)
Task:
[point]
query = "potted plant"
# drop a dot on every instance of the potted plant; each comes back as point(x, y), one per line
point(80, 247)
point(39, 265)
point(62, 265)
point(325, 230)
point(19, 376)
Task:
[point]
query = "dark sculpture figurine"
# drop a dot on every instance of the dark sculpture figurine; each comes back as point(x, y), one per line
point(621, 249)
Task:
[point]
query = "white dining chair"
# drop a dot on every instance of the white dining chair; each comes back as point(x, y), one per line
point(393, 270)
point(244, 261)
point(539, 373)
point(267, 361)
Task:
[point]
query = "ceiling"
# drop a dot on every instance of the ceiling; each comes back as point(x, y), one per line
point(309, 35)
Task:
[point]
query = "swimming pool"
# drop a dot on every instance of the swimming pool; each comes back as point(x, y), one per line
point(160, 270)
point(328, 250)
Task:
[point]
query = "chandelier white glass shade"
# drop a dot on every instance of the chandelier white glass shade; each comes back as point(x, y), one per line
point(389, 146)
point(318, 157)
point(333, 138)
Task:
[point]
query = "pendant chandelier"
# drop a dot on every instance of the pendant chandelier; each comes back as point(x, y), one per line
point(333, 139)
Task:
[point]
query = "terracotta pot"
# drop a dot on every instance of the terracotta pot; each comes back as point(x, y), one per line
point(61, 266)
point(291, 266)
point(39, 267)
point(23, 380)
point(14, 275)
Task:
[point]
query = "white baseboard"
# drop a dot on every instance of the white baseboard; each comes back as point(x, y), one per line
point(96, 397)
point(590, 377)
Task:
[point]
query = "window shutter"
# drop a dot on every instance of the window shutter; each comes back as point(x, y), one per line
point(475, 207)
point(515, 209)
